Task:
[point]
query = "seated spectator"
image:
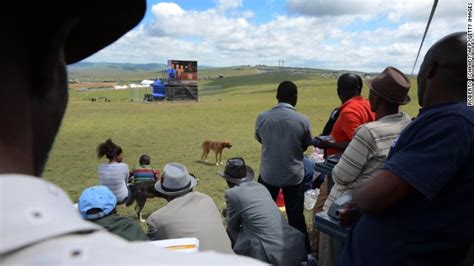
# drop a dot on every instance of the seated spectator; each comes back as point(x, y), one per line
point(353, 112)
point(368, 150)
point(97, 204)
point(144, 172)
point(188, 213)
point(418, 209)
point(255, 225)
point(113, 174)
point(142, 185)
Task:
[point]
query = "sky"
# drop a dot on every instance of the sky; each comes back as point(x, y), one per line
point(362, 35)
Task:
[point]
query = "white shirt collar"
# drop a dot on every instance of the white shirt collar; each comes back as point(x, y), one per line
point(285, 105)
point(34, 210)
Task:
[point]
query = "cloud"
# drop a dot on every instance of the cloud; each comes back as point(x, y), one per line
point(223, 5)
point(329, 8)
point(365, 39)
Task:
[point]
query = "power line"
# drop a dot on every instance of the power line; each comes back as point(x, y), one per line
point(435, 3)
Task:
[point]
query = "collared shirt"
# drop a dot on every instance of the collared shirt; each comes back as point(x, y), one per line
point(285, 134)
point(40, 226)
point(434, 225)
point(353, 113)
point(365, 154)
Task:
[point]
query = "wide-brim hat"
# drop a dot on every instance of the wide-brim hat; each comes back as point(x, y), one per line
point(97, 197)
point(391, 85)
point(176, 180)
point(95, 24)
point(236, 171)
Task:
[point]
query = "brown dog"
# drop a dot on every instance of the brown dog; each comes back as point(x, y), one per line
point(216, 146)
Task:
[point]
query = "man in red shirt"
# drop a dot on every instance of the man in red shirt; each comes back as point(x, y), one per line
point(353, 112)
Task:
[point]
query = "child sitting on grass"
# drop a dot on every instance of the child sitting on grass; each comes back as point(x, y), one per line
point(144, 172)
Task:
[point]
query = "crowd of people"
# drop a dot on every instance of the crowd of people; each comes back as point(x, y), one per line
point(411, 181)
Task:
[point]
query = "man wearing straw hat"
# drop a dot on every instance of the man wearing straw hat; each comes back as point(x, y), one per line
point(254, 223)
point(369, 147)
point(188, 213)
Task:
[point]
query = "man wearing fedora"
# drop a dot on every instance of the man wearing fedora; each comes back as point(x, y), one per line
point(188, 213)
point(254, 223)
point(368, 149)
point(418, 209)
point(40, 225)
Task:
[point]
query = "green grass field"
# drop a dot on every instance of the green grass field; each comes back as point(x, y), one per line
point(174, 131)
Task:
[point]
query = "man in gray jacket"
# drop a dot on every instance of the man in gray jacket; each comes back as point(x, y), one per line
point(255, 225)
point(188, 213)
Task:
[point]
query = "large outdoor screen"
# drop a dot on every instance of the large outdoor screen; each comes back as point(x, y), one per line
point(182, 72)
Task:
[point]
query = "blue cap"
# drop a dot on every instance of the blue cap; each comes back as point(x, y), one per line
point(96, 197)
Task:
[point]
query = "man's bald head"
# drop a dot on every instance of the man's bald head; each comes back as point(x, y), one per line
point(442, 75)
point(348, 86)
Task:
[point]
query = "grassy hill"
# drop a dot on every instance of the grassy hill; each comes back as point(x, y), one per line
point(88, 71)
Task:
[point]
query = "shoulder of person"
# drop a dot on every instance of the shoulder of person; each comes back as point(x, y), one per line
point(262, 115)
point(197, 194)
point(364, 131)
point(235, 190)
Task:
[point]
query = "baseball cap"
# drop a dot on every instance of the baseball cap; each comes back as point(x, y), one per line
point(99, 197)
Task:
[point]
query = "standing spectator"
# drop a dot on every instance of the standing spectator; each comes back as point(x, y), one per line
point(97, 204)
point(113, 174)
point(254, 223)
point(42, 226)
point(419, 209)
point(285, 134)
point(188, 213)
point(368, 149)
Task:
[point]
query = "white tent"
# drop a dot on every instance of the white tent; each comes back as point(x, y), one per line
point(147, 82)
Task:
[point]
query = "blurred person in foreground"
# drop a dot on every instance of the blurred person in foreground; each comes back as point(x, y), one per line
point(42, 225)
point(418, 210)
point(368, 150)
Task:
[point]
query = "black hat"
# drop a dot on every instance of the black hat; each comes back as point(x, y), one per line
point(101, 23)
point(95, 24)
point(236, 171)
